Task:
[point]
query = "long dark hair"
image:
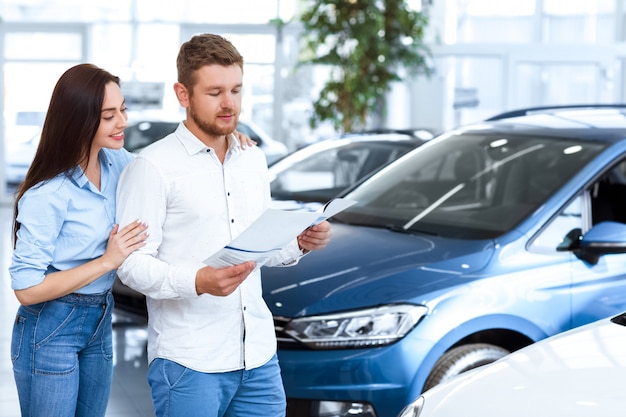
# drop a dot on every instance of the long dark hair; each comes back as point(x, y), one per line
point(70, 126)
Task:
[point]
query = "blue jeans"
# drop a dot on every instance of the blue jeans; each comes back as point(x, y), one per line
point(62, 356)
point(181, 392)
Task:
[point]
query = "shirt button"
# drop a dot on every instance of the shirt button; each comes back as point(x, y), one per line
point(232, 220)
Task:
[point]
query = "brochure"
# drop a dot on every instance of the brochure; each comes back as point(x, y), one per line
point(271, 232)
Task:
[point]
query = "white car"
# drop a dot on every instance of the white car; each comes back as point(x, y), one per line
point(313, 175)
point(579, 373)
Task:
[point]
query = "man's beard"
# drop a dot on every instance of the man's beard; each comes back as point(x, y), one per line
point(211, 129)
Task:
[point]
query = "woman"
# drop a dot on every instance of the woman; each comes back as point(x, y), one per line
point(67, 248)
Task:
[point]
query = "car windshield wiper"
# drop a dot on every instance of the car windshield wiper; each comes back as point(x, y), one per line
point(401, 229)
point(433, 206)
point(460, 186)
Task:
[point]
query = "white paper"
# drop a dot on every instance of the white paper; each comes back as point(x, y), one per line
point(271, 232)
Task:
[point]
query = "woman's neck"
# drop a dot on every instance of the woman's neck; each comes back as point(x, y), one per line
point(92, 169)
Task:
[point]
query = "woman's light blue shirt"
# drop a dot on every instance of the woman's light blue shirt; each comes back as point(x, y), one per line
point(66, 222)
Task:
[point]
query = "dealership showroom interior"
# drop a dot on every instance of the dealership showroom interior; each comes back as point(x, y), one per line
point(481, 268)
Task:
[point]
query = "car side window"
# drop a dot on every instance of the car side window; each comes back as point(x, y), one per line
point(606, 201)
point(562, 228)
point(608, 196)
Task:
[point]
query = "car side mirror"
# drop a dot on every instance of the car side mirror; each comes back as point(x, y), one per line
point(602, 239)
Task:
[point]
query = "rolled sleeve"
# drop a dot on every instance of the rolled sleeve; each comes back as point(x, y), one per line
point(40, 216)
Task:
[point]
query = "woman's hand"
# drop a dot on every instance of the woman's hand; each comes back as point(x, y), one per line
point(123, 242)
point(244, 140)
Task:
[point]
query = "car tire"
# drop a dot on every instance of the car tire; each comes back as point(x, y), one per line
point(461, 359)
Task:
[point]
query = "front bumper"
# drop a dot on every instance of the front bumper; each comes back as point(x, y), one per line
point(376, 382)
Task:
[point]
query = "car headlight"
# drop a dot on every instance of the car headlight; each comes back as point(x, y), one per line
point(414, 409)
point(371, 327)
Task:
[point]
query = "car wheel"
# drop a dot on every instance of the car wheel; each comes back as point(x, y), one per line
point(461, 359)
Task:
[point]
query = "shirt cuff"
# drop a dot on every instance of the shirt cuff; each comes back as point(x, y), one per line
point(186, 283)
point(292, 253)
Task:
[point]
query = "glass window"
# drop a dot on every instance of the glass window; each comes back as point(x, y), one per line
point(42, 45)
point(540, 83)
point(578, 7)
point(579, 21)
point(497, 7)
point(65, 10)
point(115, 48)
point(496, 30)
point(232, 11)
point(182, 11)
point(495, 21)
point(476, 89)
point(28, 86)
point(588, 29)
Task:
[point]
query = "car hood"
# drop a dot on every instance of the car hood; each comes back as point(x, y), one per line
point(577, 373)
point(364, 266)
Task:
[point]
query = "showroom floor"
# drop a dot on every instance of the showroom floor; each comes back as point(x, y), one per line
point(130, 395)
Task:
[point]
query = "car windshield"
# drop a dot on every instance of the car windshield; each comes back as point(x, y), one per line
point(469, 186)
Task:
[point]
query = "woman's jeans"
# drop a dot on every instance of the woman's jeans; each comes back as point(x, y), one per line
point(62, 356)
point(178, 391)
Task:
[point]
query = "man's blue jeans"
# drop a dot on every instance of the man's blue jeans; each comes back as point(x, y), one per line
point(181, 392)
point(62, 356)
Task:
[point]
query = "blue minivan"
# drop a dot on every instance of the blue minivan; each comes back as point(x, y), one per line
point(480, 242)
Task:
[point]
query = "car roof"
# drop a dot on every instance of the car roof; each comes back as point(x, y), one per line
point(589, 122)
point(400, 139)
point(417, 133)
point(554, 109)
point(377, 136)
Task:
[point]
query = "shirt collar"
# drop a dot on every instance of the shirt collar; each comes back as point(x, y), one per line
point(78, 176)
point(193, 145)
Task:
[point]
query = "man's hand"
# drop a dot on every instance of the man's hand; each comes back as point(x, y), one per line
point(315, 237)
point(222, 281)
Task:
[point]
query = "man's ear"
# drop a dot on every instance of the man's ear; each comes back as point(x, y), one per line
point(181, 94)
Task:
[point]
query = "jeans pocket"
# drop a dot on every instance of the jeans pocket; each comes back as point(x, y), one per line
point(17, 337)
point(173, 372)
point(53, 320)
point(56, 339)
point(105, 332)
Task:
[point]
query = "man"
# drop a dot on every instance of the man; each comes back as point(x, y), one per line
point(211, 341)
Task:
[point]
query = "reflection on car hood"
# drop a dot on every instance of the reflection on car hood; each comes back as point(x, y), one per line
point(365, 267)
point(579, 373)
